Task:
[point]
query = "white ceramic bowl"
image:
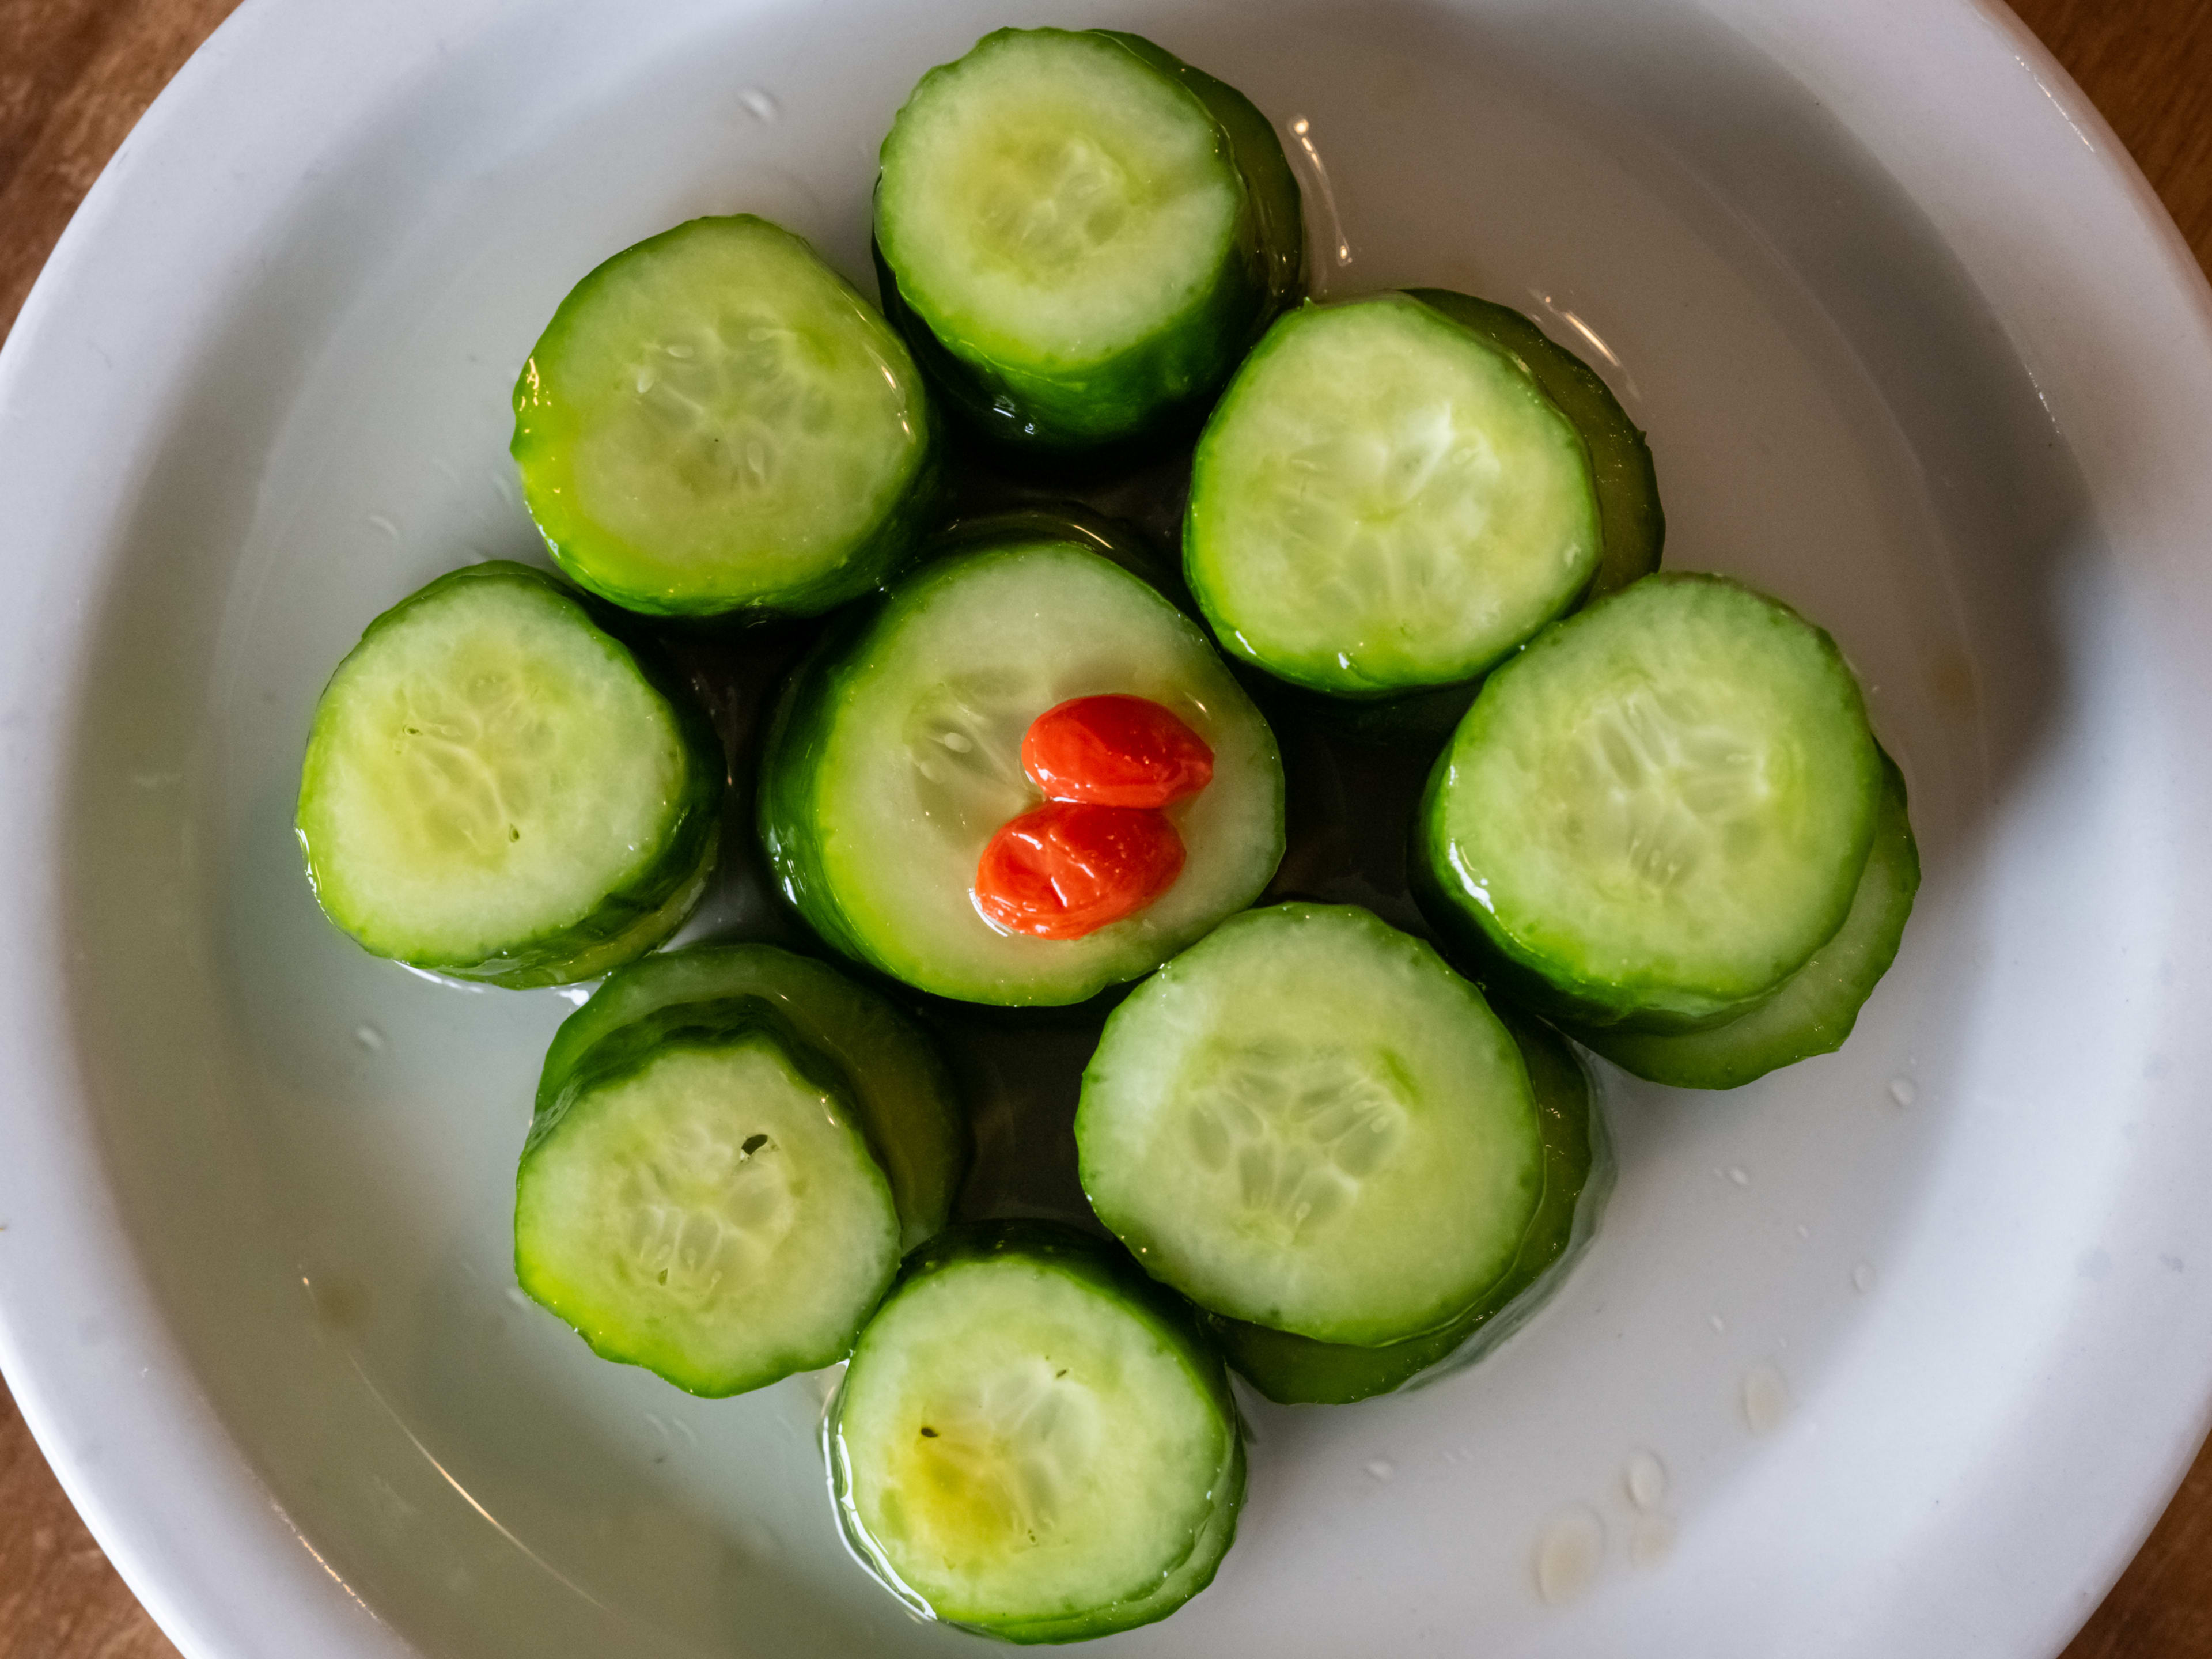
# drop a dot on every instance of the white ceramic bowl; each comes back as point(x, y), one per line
point(1917, 351)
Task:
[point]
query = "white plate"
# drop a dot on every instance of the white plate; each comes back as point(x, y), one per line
point(1918, 351)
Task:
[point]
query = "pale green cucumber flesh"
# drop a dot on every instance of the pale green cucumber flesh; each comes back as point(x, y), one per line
point(1385, 500)
point(1620, 459)
point(496, 788)
point(895, 756)
point(902, 1093)
point(1814, 1009)
point(1080, 234)
point(1577, 1178)
point(1656, 812)
point(1635, 525)
point(700, 1200)
point(715, 422)
point(1033, 1443)
point(1308, 1121)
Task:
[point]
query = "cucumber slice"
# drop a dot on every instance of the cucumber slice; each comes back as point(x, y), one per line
point(1657, 811)
point(1308, 1121)
point(699, 1199)
point(1577, 1179)
point(715, 422)
point(896, 755)
point(1080, 235)
point(497, 789)
point(1816, 1006)
point(900, 1088)
point(1620, 461)
point(1032, 1442)
point(1385, 500)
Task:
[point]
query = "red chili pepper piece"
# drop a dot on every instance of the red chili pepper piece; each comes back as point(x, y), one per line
point(1115, 750)
point(1070, 867)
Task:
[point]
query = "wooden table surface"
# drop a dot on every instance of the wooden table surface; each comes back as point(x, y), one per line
point(73, 77)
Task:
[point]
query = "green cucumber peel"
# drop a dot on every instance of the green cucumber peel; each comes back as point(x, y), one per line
point(1108, 1289)
point(639, 907)
point(1578, 1169)
point(1048, 404)
point(901, 1088)
point(671, 437)
point(1620, 456)
point(1602, 708)
point(1308, 1120)
point(1812, 1011)
point(1387, 502)
point(771, 1247)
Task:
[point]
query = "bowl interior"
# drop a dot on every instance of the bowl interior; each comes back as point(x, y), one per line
point(316, 1151)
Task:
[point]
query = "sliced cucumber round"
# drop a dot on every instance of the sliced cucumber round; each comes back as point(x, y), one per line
point(1081, 234)
point(497, 789)
point(1657, 811)
point(1385, 500)
point(902, 1093)
point(1620, 461)
point(699, 1199)
point(715, 422)
point(1814, 1009)
point(1577, 1179)
point(1032, 1442)
point(895, 755)
point(1308, 1121)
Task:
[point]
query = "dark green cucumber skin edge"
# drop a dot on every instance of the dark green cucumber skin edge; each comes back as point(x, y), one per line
point(1104, 1266)
point(798, 730)
point(689, 850)
point(629, 1049)
point(1161, 387)
point(1714, 1058)
point(1324, 692)
point(800, 727)
point(1463, 932)
point(1142, 1241)
point(1071, 521)
point(893, 546)
point(576, 1043)
point(1297, 1370)
point(628, 1046)
point(1632, 521)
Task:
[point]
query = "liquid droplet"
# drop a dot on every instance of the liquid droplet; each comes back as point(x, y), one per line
point(1645, 1478)
point(1380, 1468)
point(1739, 1175)
point(1903, 1091)
point(1862, 1278)
point(1650, 1541)
point(384, 522)
point(1765, 1398)
point(760, 104)
point(1804, 1232)
point(1328, 228)
point(517, 1295)
point(1717, 1321)
point(369, 1038)
point(1569, 1554)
